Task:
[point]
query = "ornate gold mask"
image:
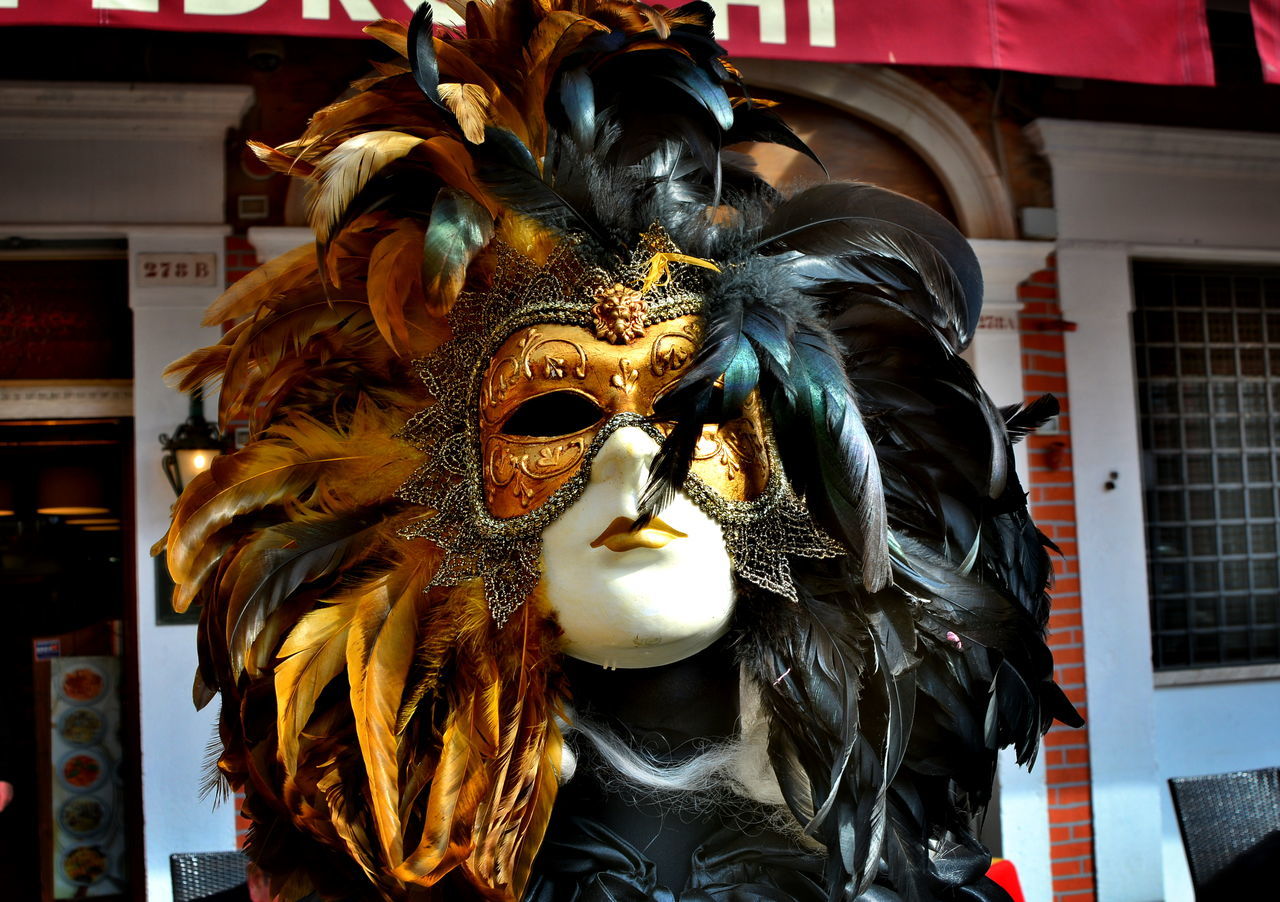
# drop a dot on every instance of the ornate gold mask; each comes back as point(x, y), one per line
point(550, 387)
point(544, 366)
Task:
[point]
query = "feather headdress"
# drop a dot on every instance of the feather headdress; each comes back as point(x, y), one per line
point(371, 712)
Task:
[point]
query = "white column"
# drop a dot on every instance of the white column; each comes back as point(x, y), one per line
point(1095, 293)
point(174, 735)
point(270, 242)
point(996, 355)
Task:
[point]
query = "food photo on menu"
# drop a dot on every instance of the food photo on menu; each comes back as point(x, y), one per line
point(88, 841)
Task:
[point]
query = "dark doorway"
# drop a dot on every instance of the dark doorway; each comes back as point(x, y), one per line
point(66, 586)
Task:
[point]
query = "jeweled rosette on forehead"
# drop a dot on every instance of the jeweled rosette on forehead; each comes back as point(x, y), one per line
point(658, 292)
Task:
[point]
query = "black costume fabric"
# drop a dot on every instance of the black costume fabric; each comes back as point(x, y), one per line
point(395, 737)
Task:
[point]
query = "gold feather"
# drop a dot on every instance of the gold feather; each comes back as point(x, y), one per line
point(275, 337)
point(338, 469)
point(395, 281)
point(198, 369)
point(280, 161)
point(345, 170)
point(554, 38)
point(456, 787)
point(253, 478)
point(391, 33)
point(470, 105)
point(288, 271)
point(380, 647)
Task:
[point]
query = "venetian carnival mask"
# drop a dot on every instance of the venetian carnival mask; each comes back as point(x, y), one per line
point(549, 410)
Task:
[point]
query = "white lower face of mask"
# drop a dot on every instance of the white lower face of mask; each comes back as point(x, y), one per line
point(640, 600)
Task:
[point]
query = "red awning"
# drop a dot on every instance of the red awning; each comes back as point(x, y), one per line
point(1266, 26)
point(1155, 41)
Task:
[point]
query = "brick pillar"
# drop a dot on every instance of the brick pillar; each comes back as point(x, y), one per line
point(1065, 755)
point(241, 258)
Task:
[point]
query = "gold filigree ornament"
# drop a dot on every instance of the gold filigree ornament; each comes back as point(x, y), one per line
point(618, 314)
point(488, 496)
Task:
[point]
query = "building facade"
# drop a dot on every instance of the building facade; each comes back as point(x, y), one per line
point(1080, 223)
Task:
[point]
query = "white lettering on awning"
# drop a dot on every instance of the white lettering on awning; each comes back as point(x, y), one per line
point(136, 6)
point(221, 7)
point(773, 18)
point(822, 23)
point(357, 10)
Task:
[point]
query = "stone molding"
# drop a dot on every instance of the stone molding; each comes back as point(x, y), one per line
point(1119, 146)
point(98, 111)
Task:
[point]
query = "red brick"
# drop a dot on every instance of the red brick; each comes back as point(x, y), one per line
point(1046, 292)
point(1044, 277)
point(1066, 611)
point(1067, 884)
point(1035, 382)
point(1058, 493)
point(1068, 774)
point(1057, 511)
point(1077, 755)
point(1044, 362)
point(1040, 341)
point(1067, 795)
point(1081, 831)
point(1070, 655)
point(1070, 814)
point(1068, 869)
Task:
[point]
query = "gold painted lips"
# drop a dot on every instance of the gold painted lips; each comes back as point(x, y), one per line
point(618, 536)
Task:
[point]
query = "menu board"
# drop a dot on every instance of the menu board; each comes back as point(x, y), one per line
point(88, 803)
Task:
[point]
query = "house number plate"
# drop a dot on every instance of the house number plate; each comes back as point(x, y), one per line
point(177, 269)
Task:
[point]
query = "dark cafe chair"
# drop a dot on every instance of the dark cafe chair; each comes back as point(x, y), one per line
point(1230, 826)
point(199, 874)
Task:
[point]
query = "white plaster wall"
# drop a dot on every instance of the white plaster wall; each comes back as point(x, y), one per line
point(1127, 192)
point(174, 735)
point(996, 356)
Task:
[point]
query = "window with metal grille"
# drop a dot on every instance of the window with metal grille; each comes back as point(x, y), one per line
point(1207, 346)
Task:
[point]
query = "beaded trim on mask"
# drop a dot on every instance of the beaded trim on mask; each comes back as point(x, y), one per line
point(506, 553)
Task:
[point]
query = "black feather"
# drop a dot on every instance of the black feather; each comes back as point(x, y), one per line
point(426, 68)
point(1020, 420)
point(754, 123)
point(507, 168)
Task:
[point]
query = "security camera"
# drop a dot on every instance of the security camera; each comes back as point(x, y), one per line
point(265, 53)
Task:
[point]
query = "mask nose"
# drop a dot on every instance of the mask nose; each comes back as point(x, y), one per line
point(623, 461)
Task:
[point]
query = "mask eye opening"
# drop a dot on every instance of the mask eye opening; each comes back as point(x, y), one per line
point(552, 415)
point(667, 408)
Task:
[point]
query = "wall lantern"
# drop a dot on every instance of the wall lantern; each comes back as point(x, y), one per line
point(192, 447)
